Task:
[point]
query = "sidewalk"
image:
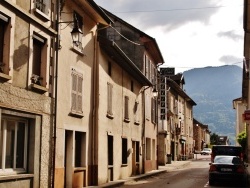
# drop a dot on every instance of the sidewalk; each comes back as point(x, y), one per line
point(167, 168)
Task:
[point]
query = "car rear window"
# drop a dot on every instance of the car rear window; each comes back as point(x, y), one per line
point(227, 150)
point(227, 160)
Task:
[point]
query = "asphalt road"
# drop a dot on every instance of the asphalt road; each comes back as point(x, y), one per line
point(193, 176)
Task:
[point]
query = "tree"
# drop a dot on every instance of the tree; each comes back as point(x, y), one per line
point(213, 139)
point(242, 139)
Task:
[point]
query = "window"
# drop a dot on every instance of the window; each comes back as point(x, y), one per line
point(109, 69)
point(13, 145)
point(124, 151)
point(109, 100)
point(39, 60)
point(43, 6)
point(136, 113)
point(110, 150)
point(132, 86)
point(76, 93)
point(126, 109)
point(4, 44)
point(154, 110)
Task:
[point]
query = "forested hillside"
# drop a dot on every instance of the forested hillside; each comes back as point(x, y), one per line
point(213, 89)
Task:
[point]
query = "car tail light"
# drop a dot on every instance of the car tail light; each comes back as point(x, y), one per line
point(212, 168)
point(212, 157)
point(240, 169)
point(242, 156)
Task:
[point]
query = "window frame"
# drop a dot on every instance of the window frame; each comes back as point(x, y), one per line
point(44, 11)
point(5, 21)
point(3, 135)
point(41, 79)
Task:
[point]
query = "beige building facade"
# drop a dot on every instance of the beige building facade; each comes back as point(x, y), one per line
point(76, 112)
point(27, 95)
point(127, 110)
point(176, 124)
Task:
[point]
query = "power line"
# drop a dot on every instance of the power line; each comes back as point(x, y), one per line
point(169, 10)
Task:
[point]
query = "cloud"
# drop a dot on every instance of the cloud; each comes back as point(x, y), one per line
point(230, 34)
point(231, 60)
point(167, 14)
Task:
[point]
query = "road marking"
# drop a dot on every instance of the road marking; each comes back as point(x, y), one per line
point(207, 184)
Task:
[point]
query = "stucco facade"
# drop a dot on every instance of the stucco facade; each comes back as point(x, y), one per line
point(127, 123)
point(26, 101)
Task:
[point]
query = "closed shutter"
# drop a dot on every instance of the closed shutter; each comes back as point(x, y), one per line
point(109, 99)
point(74, 92)
point(79, 94)
point(126, 107)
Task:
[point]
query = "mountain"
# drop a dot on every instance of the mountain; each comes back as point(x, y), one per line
point(213, 89)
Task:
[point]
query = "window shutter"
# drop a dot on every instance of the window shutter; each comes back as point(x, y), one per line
point(74, 92)
point(110, 91)
point(153, 113)
point(79, 94)
point(47, 6)
point(126, 107)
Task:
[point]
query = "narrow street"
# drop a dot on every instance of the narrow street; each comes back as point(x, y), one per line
point(194, 175)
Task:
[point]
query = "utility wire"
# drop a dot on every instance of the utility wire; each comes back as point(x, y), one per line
point(170, 10)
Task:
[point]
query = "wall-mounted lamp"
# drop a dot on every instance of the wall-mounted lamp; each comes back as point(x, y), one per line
point(155, 93)
point(76, 34)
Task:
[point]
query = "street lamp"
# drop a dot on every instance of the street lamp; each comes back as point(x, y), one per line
point(76, 34)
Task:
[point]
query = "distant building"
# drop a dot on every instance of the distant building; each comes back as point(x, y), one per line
point(223, 140)
point(201, 135)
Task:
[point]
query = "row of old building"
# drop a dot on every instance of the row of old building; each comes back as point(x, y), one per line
point(77, 98)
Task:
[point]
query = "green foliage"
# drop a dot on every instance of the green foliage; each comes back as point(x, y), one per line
point(213, 139)
point(242, 139)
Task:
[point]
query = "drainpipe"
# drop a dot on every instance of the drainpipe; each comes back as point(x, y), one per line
point(56, 94)
point(95, 106)
point(143, 132)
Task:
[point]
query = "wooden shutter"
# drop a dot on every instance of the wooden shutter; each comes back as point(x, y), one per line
point(74, 92)
point(126, 107)
point(109, 98)
point(153, 112)
point(79, 94)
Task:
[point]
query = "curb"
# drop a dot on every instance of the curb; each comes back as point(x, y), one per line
point(164, 169)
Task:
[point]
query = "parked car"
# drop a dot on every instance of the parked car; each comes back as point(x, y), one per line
point(227, 150)
point(206, 151)
point(228, 169)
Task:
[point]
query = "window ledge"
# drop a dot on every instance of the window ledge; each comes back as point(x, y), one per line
point(110, 116)
point(79, 169)
point(77, 50)
point(41, 15)
point(38, 88)
point(76, 114)
point(126, 120)
point(124, 165)
point(16, 176)
point(137, 123)
point(4, 77)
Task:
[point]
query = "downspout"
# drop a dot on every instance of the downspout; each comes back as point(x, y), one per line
point(55, 89)
point(95, 107)
point(143, 131)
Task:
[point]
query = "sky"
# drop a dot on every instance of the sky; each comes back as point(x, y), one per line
point(190, 33)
